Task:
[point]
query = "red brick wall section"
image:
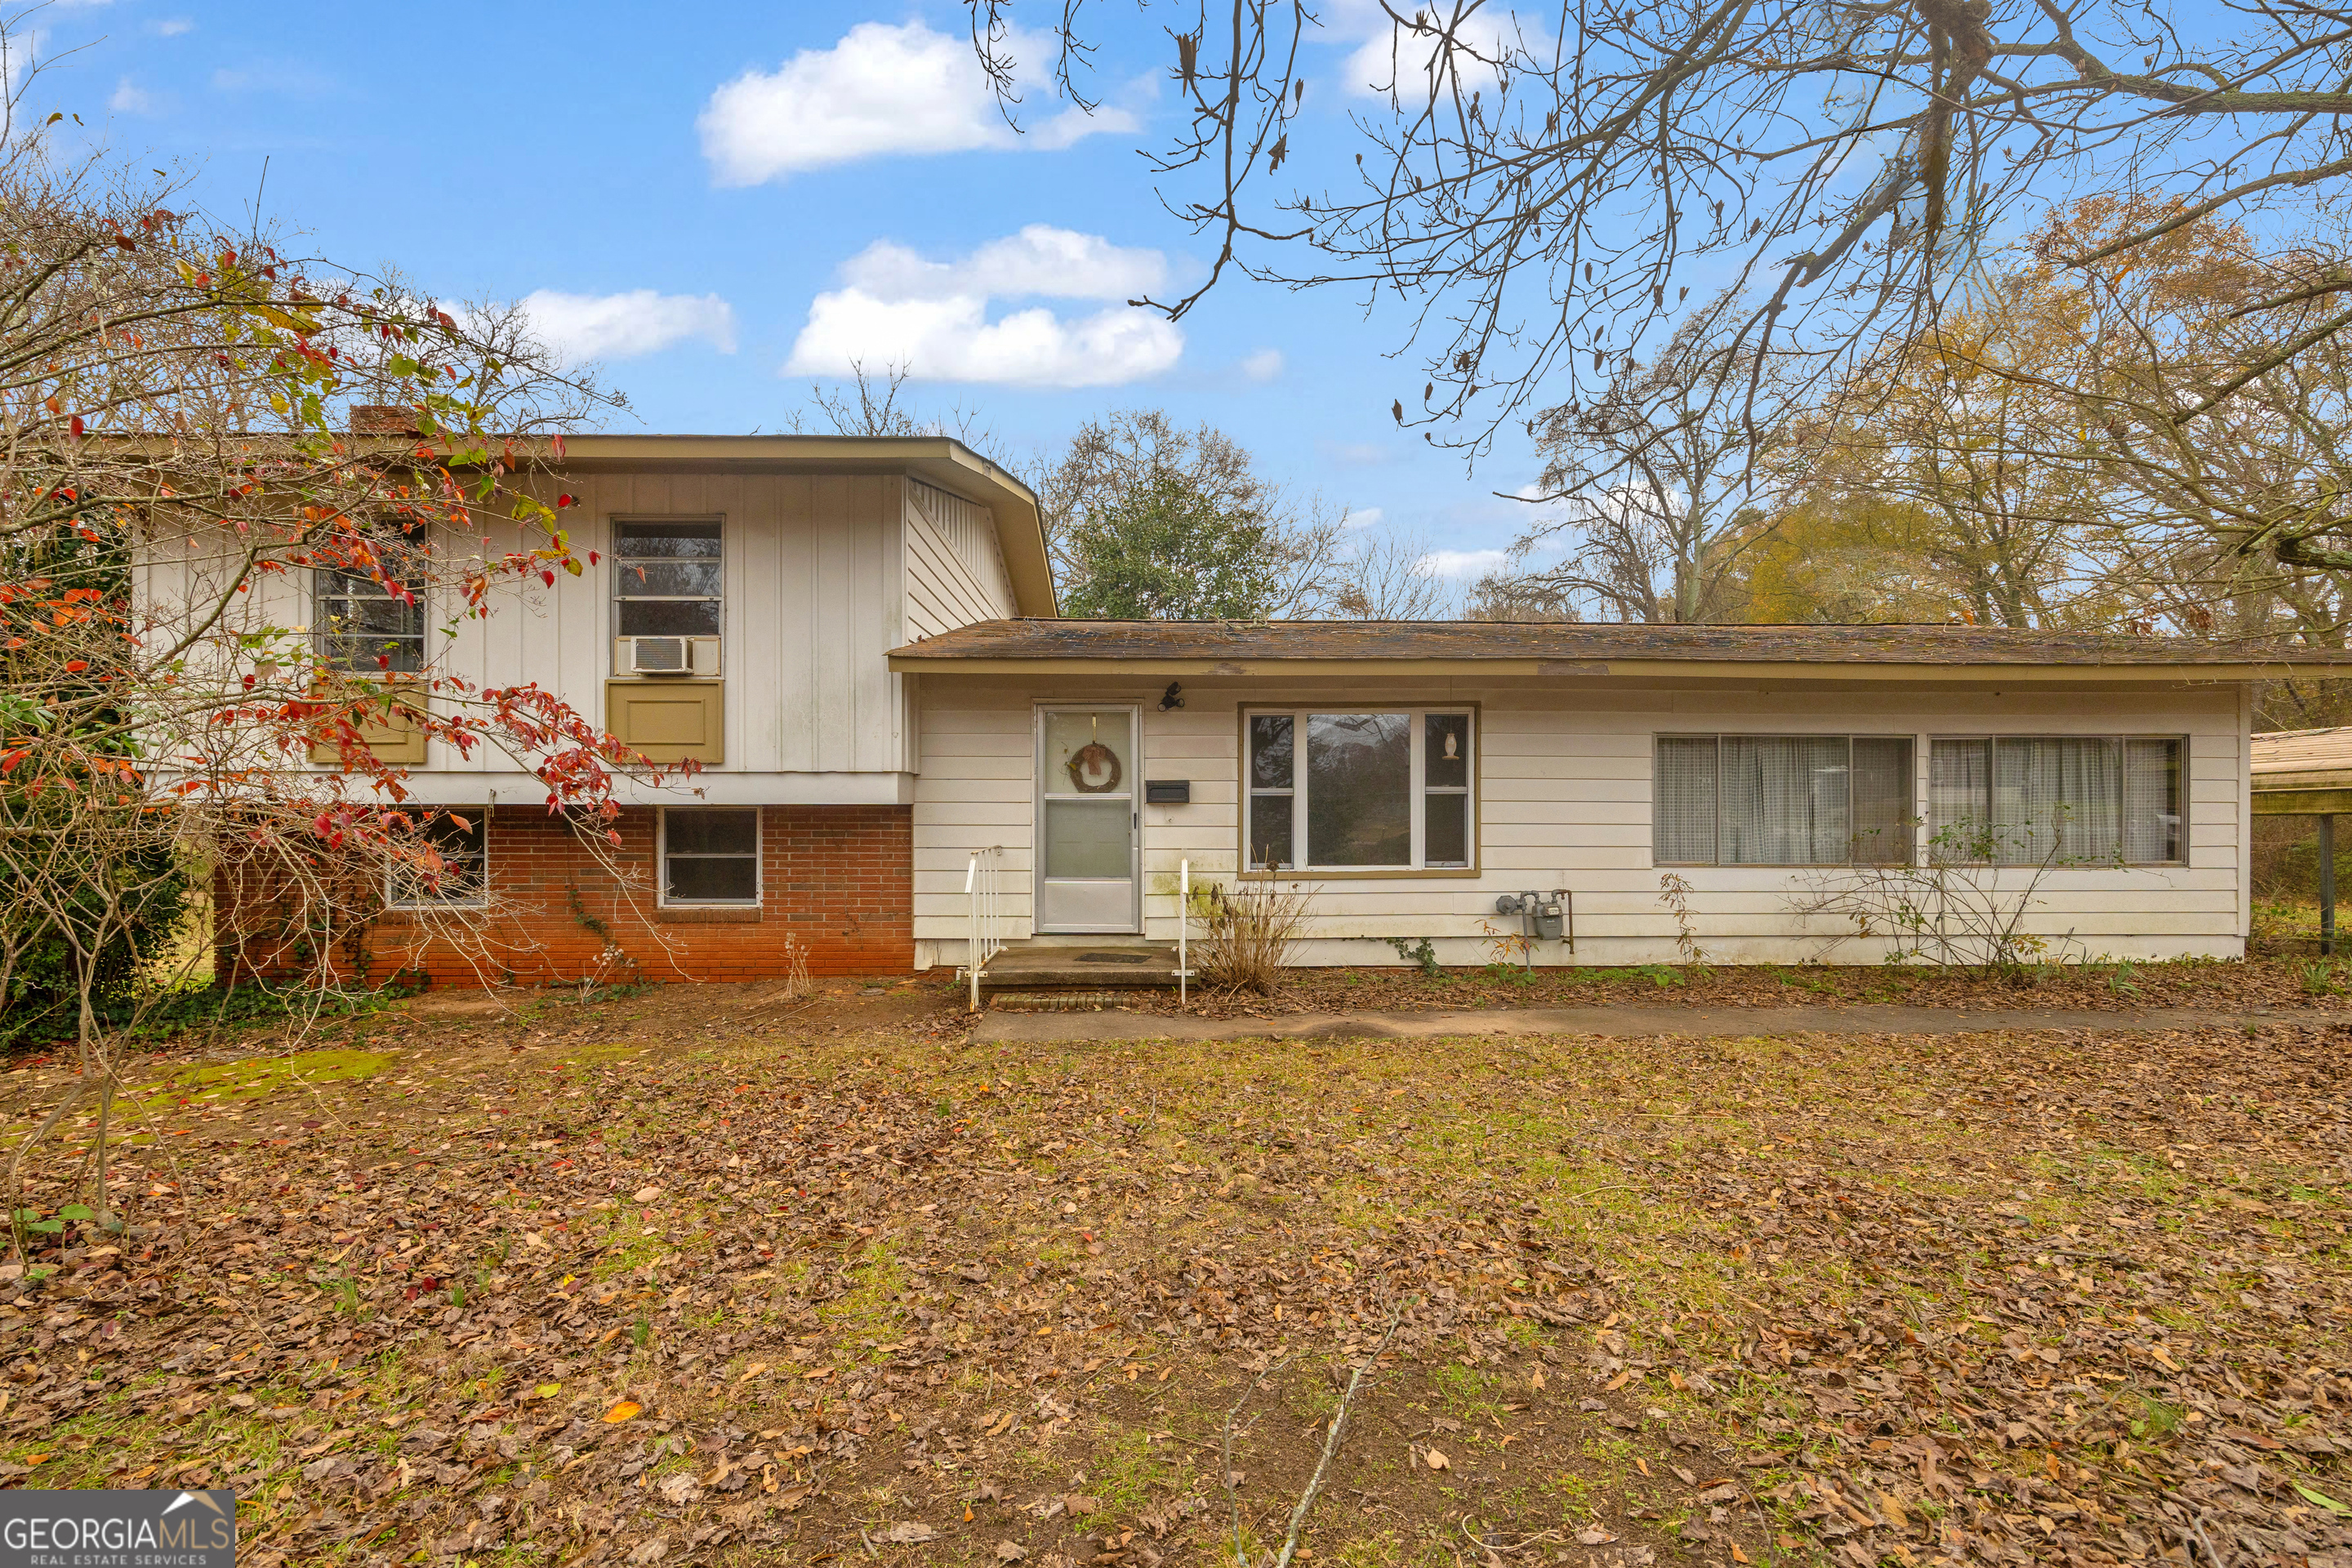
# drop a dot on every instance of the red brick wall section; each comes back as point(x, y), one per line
point(837, 879)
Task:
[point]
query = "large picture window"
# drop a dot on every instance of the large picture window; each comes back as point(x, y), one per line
point(1366, 790)
point(460, 841)
point(711, 855)
point(666, 578)
point(1782, 800)
point(2033, 800)
point(365, 626)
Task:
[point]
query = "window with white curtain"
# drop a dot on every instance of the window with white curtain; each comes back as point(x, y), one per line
point(1360, 791)
point(2034, 800)
point(1782, 800)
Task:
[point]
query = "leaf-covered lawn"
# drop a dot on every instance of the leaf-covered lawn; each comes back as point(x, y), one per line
point(2301, 980)
point(690, 1277)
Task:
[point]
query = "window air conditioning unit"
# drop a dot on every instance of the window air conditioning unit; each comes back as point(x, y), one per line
point(660, 655)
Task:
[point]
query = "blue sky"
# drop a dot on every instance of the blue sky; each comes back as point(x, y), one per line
point(705, 197)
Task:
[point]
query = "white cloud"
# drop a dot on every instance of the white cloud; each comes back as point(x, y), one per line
point(624, 326)
point(933, 317)
point(129, 98)
point(1394, 57)
point(1460, 562)
point(1058, 263)
point(1263, 365)
point(1365, 517)
point(172, 26)
point(20, 52)
point(882, 90)
point(1357, 454)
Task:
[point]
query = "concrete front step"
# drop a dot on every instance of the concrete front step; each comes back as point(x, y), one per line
point(1108, 966)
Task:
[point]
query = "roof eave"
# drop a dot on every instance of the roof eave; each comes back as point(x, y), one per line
point(937, 460)
point(914, 660)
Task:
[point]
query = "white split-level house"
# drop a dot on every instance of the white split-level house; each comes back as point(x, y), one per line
point(859, 641)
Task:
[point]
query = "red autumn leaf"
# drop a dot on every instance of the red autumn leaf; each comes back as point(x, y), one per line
point(550, 577)
point(76, 425)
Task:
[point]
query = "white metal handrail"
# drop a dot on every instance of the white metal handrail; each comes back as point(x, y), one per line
point(982, 885)
point(1183, 932)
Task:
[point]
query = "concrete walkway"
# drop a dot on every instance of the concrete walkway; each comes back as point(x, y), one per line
point(1691, 1022)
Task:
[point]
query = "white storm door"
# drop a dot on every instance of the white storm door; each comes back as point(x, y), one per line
point(1087, 813)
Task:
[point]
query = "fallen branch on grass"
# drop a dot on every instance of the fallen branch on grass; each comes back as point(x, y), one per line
point(1225, 1449)
point(1332, 1437)
point(1331, 1440)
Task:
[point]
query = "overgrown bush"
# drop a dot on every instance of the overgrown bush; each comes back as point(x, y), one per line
point(1247, 931)
point(40, 997)
point(1965, 905)
point(2286, 860)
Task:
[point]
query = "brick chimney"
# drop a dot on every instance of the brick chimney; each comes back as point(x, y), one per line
point(383, 419)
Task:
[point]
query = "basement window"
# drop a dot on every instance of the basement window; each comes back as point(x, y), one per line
point(711, 855)
point(1782, 800)
point(457, 874)
point(1366, 791)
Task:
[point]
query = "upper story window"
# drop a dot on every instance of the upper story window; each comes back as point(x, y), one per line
point(1782, 800)
point(2034, 800)
point(1340, 791)
point(364, 625)
point(666, 578)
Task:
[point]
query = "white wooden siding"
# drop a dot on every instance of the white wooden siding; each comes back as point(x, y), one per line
point(955, 574)
point(1565, 801)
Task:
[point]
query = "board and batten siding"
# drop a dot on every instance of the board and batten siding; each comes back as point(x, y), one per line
point(825, 573)
point(1564, 787)
point(955, 572)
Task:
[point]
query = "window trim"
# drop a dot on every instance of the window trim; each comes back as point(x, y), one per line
point(759, 897)
point(481, 899)
point(2121, 738)
point(614, 596)
point(1915, 817)
point(1417, 713)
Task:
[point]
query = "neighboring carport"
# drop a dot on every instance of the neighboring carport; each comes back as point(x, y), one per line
point(2308, 773)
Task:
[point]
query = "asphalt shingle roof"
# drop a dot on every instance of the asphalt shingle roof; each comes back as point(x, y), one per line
point(1588, 642)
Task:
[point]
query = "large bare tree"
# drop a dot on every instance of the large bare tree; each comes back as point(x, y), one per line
point(1650, 489)
point(2170, 425)
point(1544, 188)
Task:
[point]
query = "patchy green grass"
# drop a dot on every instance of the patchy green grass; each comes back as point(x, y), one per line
point(257, 1076)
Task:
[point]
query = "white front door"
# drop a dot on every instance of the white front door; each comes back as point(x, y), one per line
point(1088, 786)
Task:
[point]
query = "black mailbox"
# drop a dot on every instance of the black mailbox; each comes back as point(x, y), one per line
point(1168, 791)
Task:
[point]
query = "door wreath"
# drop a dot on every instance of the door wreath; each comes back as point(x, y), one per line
point(1095, 769)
